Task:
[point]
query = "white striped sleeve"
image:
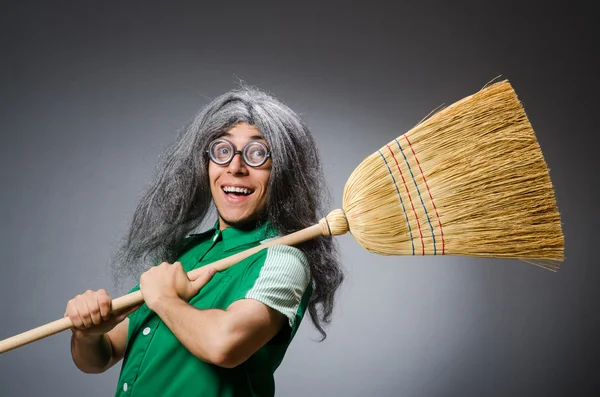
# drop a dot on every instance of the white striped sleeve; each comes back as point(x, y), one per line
point(282, 281)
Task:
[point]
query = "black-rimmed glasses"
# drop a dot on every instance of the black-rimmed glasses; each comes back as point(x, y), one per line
point(254, 153)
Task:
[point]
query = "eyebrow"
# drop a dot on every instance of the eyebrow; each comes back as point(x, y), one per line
point(252, 137)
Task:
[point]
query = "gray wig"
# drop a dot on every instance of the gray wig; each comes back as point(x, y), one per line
point(179, 198)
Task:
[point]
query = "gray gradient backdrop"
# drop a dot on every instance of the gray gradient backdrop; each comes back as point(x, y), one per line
point(91, 92)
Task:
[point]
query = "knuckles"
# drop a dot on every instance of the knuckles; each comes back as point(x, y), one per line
point(104, 301)
point(100, 297)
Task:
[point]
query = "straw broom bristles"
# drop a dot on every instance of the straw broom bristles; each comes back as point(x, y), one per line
point(470, 180)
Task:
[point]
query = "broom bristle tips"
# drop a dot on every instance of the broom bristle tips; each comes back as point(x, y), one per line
point(469, 180)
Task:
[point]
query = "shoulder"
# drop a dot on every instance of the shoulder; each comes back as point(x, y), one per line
point(282, 262)
point(281, 280)
point(282, 255)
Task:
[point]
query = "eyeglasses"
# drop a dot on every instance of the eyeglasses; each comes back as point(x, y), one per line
point(254, 153)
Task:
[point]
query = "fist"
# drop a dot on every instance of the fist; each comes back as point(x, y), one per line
point(91, 315)
point(171, 282)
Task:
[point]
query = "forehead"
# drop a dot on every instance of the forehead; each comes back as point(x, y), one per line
point(243, 132)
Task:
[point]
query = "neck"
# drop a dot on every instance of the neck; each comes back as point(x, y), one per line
point(242, 225)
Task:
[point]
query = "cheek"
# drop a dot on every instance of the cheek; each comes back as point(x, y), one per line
point(213, 176)
point(213, 173)
point(265, 181)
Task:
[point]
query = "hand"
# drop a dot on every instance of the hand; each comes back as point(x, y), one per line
point(169, 281)
point(91, 314)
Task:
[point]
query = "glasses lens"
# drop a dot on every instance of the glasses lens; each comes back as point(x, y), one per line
point(221, 151)
point(255, 153)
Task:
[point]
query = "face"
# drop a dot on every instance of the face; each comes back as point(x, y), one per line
point(238, 190)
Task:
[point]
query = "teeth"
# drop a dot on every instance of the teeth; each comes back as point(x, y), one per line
point(231, 189)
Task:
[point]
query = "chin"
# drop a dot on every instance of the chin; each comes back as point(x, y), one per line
point(235, 221)
point(242, 222)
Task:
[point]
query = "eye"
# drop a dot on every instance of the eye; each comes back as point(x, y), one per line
point(221, 150)
point(256, 152)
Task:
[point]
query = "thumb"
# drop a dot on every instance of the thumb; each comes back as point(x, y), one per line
point(203, 279)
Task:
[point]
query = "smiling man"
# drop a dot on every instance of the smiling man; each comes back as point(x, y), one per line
point(227, 332)
point(239, 190)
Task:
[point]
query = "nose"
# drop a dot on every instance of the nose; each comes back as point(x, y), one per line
point(237, 166)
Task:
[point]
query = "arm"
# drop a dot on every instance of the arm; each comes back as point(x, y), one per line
point(228, 337)
point(99, 337)
point(225, 338)
point(94, 354)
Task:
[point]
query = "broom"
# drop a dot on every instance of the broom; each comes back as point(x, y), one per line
point(469, 180)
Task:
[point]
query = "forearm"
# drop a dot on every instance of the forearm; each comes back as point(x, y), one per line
point(205, 333)
point(225, 338)
point(91, 354)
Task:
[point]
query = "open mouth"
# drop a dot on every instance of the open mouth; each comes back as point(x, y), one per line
point(237, 191)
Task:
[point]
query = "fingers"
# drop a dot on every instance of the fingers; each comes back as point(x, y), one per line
point(78, 312)
point(72, 312)
point(86, 315)
point(203, 279)
point(89, 309)
point(171, 280)
point(104, 304)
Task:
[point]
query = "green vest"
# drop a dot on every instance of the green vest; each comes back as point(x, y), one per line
point(156, 364)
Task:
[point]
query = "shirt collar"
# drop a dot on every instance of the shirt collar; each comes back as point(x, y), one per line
point(233, 237)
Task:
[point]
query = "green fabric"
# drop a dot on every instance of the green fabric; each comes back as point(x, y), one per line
point(156, 364)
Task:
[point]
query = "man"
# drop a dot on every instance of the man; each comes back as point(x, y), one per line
point(225, 333)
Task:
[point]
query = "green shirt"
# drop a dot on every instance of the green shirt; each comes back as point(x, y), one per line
point(157, 364)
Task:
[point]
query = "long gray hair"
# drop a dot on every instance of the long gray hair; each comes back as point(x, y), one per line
point(179, 198)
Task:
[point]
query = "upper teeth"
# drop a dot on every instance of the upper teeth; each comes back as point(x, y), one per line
point(230, 189)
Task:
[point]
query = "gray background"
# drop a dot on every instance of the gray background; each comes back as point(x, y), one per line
point(91, 92)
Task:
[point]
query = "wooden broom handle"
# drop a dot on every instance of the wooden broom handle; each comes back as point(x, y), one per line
point(135, 298)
